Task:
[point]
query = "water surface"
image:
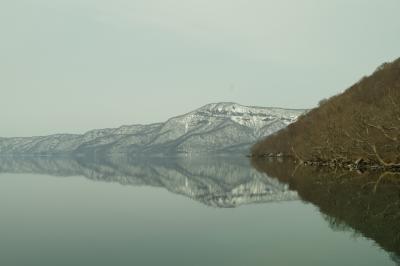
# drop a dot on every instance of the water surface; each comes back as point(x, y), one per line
point(178, 212)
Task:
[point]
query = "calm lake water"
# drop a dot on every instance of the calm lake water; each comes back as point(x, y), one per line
point(186, 212)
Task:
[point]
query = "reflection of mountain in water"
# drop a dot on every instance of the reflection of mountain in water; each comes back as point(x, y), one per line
point(218, 182)
point(368, 203)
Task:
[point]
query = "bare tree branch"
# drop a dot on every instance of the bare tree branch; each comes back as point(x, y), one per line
point(382, 130)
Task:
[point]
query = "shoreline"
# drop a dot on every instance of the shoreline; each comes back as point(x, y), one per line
point(358, 165)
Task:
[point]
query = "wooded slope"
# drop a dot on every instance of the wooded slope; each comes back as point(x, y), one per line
point(361, 123)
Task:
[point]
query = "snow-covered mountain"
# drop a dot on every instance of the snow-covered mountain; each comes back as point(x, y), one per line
point(213, 128)
point(219, 182)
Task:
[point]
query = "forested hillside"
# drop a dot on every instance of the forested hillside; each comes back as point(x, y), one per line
point(359, 127)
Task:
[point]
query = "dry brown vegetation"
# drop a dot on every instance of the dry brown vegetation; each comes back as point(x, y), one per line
point(360, 127)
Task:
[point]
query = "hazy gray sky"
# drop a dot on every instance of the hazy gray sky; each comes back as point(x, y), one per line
point(75, 65)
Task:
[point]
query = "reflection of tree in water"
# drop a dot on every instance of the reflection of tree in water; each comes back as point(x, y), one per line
point(336, 224)
point(395, 258)
point(369, 203)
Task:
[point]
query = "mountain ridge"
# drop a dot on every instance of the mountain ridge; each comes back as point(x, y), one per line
point(211, 128)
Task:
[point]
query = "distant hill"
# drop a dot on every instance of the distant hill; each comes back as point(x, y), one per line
point(219, 128)
point(359, 126)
